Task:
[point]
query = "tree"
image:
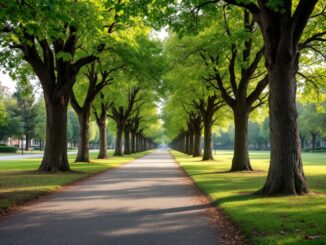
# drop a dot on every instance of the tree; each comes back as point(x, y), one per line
point(282, 24)
point(100, 113)
point(48, 36)
point(40, 122)
point(26, 109)
point(120, 115)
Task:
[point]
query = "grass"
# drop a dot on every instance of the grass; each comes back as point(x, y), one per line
point(20, 183)
point(264, 220)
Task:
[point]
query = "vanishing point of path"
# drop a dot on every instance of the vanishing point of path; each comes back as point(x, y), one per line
point(146, 202)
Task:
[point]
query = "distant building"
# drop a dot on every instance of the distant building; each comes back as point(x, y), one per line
point(4, 91)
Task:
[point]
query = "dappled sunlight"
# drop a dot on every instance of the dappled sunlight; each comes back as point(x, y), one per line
point(234, 193)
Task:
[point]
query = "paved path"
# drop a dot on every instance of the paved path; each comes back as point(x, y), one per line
point(146, 202)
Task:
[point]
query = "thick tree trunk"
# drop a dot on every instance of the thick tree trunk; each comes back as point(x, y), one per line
point(240, 159)
point(285, 175)
point(197, 144)
point(103, 153)
point(118, 141)
point(55, 152)
point(208, 153)
point(127, 150)
point(83, 147)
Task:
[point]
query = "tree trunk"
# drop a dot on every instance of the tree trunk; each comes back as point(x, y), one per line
point(187, 140)
point(27, 139)
point(240, 159)
point(285, 175)
point(101, 123)
point(191, 142)
point(118, 141)
point(313, 141)
point(208, 153)
point(133, 142)
point(197, 144)
point(127, 150)
point(83, 148)
point(55, 152)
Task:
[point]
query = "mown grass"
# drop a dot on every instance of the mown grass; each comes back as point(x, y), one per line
point(264, 220)
point(19, 182)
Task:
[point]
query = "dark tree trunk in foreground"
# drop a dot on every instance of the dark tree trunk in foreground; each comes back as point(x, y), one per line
point(208, 153)
point(240, 159)
point(55, 152)
point(83, 147)
point(285, 175)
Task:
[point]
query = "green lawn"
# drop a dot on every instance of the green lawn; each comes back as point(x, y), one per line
point(19, 182)
point(265, 220)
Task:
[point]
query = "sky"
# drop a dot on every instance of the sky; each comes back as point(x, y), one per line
point(7, 81)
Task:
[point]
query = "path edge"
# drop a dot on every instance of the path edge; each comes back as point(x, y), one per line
point(220, 218)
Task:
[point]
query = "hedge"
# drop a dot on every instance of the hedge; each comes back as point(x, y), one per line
point(8, 149)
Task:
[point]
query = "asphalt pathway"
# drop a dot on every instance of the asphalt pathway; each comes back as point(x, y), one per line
point(146, 202)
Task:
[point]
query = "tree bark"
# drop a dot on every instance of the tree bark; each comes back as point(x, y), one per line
point(285, 175)
point(27, 140)
point(127, 150)
point(187, 140)
point(313, 141)
point(83, 147)
point(55, 152)
point(133, 142)
point(240, 161)
point(101, 123)
point(118, 141)
point(197, 144)
point(191, 142)
point(208, 153)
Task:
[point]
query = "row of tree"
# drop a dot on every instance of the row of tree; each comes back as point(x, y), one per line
point(232, 68)
point(81, 52)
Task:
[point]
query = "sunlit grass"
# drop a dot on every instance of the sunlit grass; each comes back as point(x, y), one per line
point(265, 220)
point(20, 183)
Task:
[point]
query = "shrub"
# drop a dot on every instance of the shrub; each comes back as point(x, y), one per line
point(8, 149)
point(3, 144)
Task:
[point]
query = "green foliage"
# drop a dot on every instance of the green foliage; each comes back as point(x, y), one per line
point(8, 149)
point(73, 127)
point(26, 110)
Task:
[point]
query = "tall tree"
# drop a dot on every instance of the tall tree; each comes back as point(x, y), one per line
point(100, 113)
point(49, 35)
point(282, 24)
point(26, 109)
